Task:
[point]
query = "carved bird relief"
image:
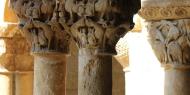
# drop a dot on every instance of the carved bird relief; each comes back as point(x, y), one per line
point(174, 53)
point(48, 33)
point(47, 8)
point(173, 34)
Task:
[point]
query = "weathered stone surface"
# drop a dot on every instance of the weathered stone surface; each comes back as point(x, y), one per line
point(170, 40)
point(49, 74)
point(177, 81)
point(95, 73)
point(39, 22)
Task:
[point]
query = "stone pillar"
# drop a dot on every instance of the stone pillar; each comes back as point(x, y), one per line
point(96, 27)
point(169, 35)
point(39, 23)
point(94, 74)
point(49, 74)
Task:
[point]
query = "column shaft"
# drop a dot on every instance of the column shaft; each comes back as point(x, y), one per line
point(177, 82)
point(95, 73)
point(49, 74)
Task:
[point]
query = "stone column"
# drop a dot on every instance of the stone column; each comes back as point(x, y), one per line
point(39, 23)
point(96, 27)
point(94, 74)
point(49, 74)
point(169, 35)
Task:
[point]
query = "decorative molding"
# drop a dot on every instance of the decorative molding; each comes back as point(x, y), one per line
point(170, 39)
point(167, 12)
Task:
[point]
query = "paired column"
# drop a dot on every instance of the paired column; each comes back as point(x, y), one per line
point(49, 43)
point(169, 36)
point(96, 27)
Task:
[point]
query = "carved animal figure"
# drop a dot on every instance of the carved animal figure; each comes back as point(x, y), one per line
point(173, 34)
point(91, 37)
point(160, 47)
point(71, 7)
point(174, 53)
point(43, 42)
point(19, 7)
point(47, 8)
point(33, 10)
point(102, 6)
point(26, 30)
point(48, 33)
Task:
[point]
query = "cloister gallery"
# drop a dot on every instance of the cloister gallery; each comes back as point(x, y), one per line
point(94, 47)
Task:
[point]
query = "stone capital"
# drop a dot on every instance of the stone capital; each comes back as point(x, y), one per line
point(99, 24)
point(38, 21)
point(170, 39)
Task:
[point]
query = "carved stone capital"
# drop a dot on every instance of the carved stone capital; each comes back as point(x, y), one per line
point(99, 24)
point(39, 22)
point(165, 9)
point(170, 41)
point(94, 24)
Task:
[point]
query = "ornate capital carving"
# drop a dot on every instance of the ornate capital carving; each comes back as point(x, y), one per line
point(170, 40)
point(39, 22)
point(99, 24)
point(94, 24)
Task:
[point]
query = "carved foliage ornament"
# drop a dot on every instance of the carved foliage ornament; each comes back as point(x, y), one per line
point(170, 40)
point(94, 24)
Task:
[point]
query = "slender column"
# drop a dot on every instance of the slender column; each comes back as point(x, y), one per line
point(170, 41)
point(39, 22)
point(177, 81)
point(96, 27)
point(169, 35)
point(49, 74)
point(95, 73)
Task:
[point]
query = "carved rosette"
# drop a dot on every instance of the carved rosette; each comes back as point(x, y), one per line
point(170, 41)
point(39, 22)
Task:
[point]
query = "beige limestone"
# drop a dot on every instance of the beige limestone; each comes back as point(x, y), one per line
point(49, 74)
point(94, 74)
point(177, 81)
point(168, 28)
point(24, 83)
point(165, 9)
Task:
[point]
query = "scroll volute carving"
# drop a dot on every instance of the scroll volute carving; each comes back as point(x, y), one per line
point(39, 22)
point(99, 24)
point(170, 41)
